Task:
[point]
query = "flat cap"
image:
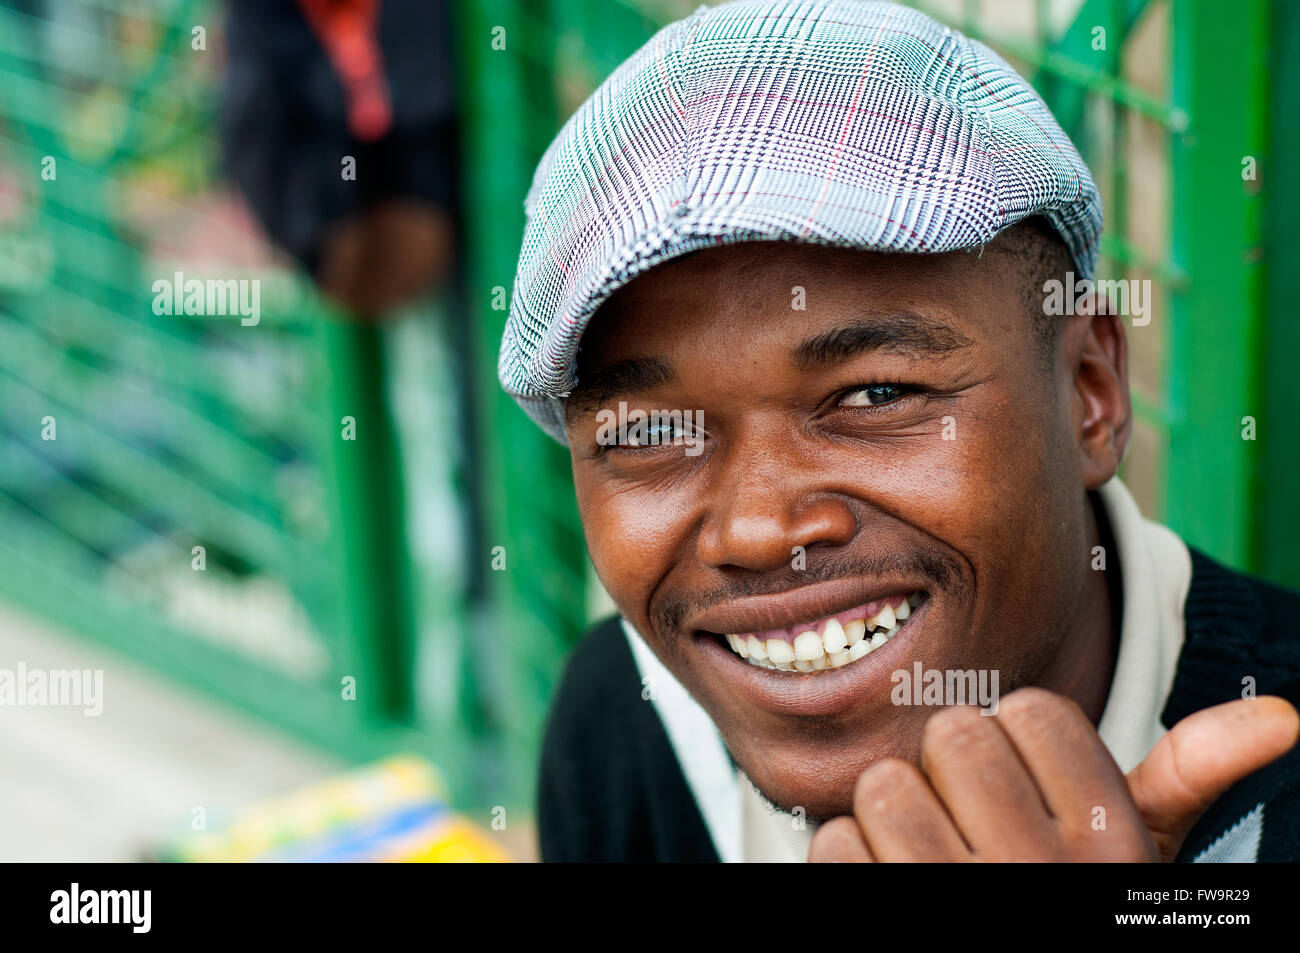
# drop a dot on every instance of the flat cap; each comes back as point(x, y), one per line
point(838, 122)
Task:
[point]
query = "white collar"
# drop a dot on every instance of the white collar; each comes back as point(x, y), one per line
point(1156, 573)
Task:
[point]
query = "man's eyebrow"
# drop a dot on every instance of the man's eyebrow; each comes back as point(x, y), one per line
point(903, 333)
point(632, 374)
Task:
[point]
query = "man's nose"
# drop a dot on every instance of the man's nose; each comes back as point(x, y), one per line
point(768, 507)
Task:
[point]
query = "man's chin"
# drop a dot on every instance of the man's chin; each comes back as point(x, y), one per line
point(815, 802)
point(815, 784)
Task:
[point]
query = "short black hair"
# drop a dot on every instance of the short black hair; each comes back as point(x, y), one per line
point(1040, 255)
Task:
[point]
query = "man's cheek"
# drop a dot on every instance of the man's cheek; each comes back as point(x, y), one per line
point(971, 490)
point(623, 549)
point(936, 474)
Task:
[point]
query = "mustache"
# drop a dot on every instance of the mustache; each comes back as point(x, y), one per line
point(939, 568)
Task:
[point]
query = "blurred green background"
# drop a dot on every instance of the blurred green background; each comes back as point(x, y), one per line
point(373, 558)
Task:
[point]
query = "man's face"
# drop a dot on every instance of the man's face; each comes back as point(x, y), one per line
point(899, 436)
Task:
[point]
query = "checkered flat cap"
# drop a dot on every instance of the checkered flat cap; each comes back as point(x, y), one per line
point(838, 122)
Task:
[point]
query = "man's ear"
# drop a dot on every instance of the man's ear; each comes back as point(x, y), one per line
point(1096, 355)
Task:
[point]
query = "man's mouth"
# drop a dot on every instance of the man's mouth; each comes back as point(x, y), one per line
point(830, 642)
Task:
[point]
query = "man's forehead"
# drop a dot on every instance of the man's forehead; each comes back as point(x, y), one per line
point(798, 292)
point(649, 343)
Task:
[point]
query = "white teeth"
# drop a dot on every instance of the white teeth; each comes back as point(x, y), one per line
point(838, 643)
point(780, 651)
point(833, 637)
point(854, 631)
point(808, 646)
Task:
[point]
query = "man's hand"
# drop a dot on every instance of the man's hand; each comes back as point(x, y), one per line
point(1035, 782)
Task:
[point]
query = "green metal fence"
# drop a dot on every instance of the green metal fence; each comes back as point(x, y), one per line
point(181, 486)
point(449, 581)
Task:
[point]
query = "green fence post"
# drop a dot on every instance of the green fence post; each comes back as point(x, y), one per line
point(1215, 334)
point(1278, 551)
point(374, 583)
point(535, 604)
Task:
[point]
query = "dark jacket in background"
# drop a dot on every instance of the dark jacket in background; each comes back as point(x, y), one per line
point(284, 119)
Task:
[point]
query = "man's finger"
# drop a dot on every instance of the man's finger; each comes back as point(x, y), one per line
point(839, 841)
point(1204, 755)
point(985, 787)
point(901, 818)
point(1075, 773)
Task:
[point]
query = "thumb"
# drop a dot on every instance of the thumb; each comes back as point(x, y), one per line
point(1204, 755)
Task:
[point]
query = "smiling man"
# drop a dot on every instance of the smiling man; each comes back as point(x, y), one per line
point(881, 594)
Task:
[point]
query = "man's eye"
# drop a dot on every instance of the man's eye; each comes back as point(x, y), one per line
point(873, 395)
point(649, 436)
point(657, 434)
point(639, 430)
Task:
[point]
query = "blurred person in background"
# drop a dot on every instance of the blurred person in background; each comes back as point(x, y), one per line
point(339, 127)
